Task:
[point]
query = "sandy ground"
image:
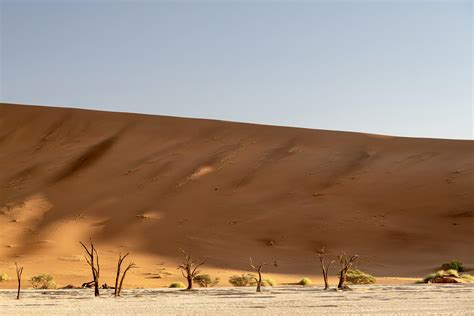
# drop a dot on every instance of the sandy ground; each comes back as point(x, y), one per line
point(406, 299)
point(153, 184)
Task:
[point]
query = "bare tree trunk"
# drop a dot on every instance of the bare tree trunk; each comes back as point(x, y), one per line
point(96, 287)
point(130, 266)
point(342, 279)
point(326, 283)
point(119, 267)
point(190, 282)
point(259, 282)
point(117, 276)
point(19, 272)
point(92, 259)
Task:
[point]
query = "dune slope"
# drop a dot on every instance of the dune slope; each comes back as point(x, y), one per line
point(153, 184)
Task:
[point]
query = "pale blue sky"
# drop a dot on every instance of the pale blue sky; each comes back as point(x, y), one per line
point(390, 67)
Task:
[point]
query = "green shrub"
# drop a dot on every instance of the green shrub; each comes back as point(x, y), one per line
point(177, 285)
point(453, 265)
point(43, 281)
point(205, 280)
point(4, 277)
point(305, 281)
point(242, 280)
point(355, 276)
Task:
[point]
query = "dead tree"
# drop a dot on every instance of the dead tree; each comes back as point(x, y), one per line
point(19, 272)
point(324, 267)
point(258, 269)
point(346, 264)
point(189, 268)
point(119, 267)
point(92, 259)
point(118, 286)
point(130, 266)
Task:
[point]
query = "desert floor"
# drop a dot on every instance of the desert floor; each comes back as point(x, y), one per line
point(374, 299)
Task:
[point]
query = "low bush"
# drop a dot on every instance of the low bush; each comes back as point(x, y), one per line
point(4, 277)
point(355, 276)
point(448, 276)
point(305, 281)
point(177, 285)
point(205, 280)
point(242, 280)
point(43, 281)
point(441, 273)
point(453, 265)
point(269, 282)
point(469, 278)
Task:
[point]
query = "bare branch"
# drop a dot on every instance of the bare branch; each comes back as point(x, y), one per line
point(85, 248)
point(330, 264)
point(252, 265)
point(197, 266)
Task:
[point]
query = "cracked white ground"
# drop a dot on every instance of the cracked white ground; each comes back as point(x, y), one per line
point(289, 300)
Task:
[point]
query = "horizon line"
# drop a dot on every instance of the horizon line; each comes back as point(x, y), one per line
point(72, 107)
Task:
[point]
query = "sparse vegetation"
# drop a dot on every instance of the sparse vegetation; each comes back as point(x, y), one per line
point(453, 265)
point(448, 276)
point(43, 282)
point(441, 273)
point(468, 278)
point(242, 280)
point(305, 281)
point(4, 277)
point(250, 279)
point(176, 285)
point(205, 280)
point(355, 276)
point(269, 282)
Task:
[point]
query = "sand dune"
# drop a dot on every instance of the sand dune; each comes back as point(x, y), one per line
point(152, 184)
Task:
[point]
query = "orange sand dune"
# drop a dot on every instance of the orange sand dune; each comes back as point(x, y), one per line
point(154, 184)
